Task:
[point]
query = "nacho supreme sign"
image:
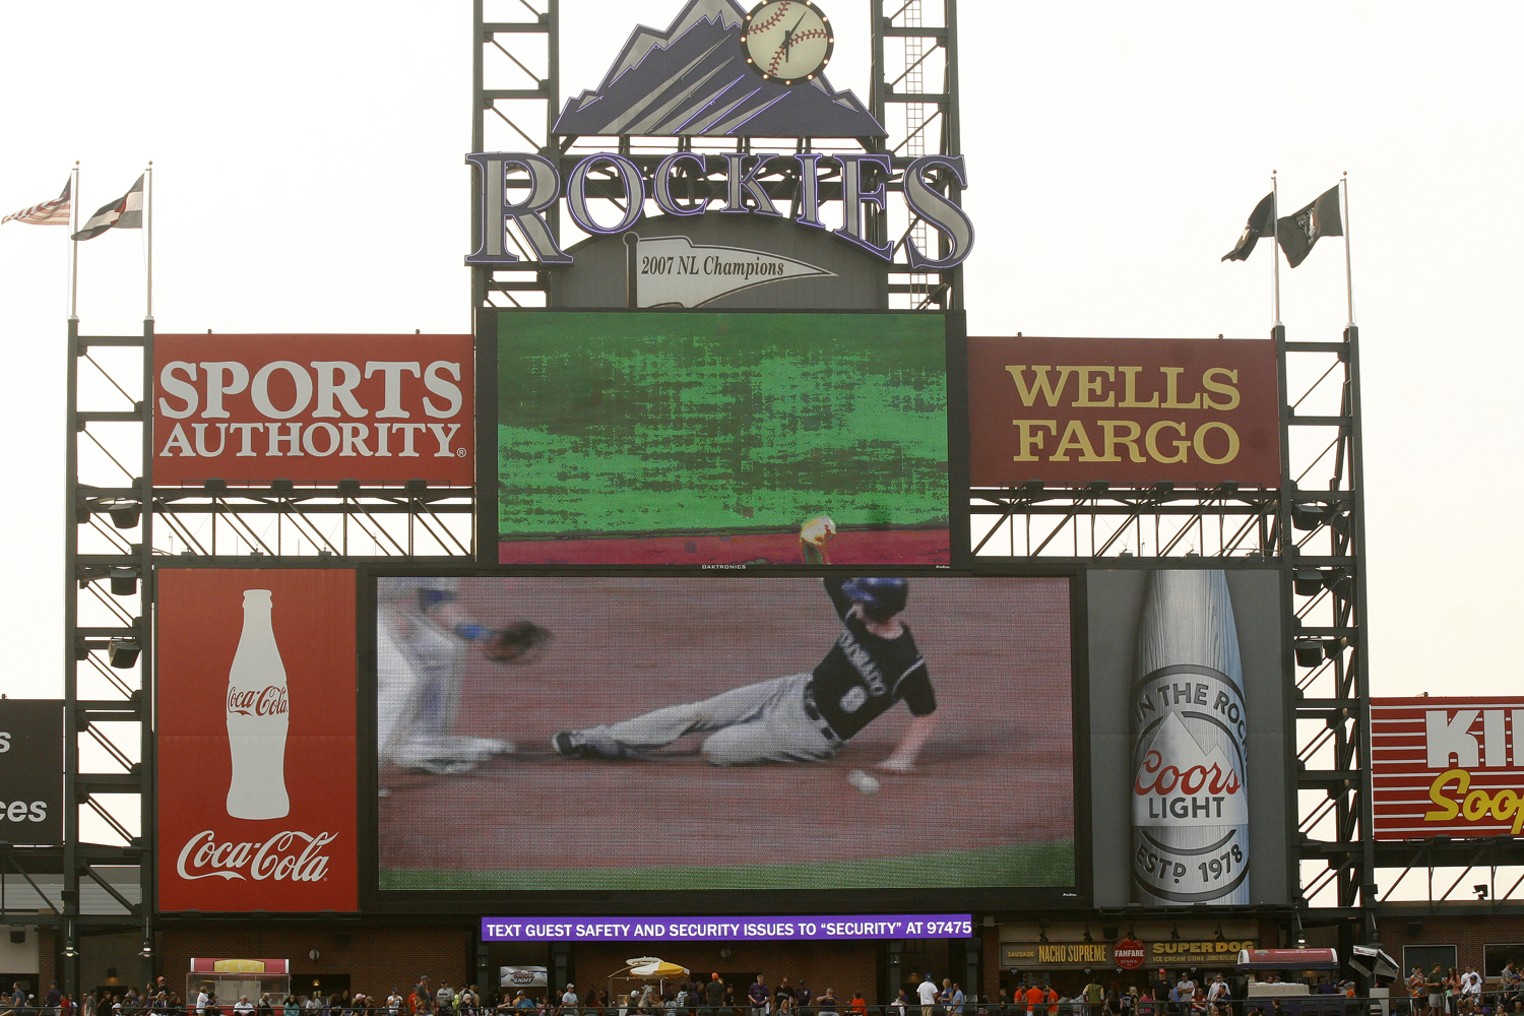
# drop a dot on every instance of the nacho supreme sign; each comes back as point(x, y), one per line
point(317, 409)
point(1447, 766)
point(1124, 411)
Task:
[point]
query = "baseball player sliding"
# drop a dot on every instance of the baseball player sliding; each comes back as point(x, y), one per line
point(873, 664)
point(423, 634)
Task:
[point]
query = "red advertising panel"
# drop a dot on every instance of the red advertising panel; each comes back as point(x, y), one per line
point(1447, 766)
point(249, 409)
point(1127, 411)
point(256, 740)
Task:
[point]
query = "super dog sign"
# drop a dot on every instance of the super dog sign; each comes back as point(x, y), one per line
point(1447, 766)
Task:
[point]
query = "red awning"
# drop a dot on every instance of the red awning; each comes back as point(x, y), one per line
point(1288, 959)
point(213, 965)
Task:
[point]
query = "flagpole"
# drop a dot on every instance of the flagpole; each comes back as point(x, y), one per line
point(148, 232)
point(1275, 246)
point(1349, 279)
point(73, 243)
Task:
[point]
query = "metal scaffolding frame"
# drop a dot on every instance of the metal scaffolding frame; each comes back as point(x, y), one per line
point(516, 72)
point(121, 527)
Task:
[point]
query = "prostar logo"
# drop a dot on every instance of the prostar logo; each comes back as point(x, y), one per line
point(287, 856)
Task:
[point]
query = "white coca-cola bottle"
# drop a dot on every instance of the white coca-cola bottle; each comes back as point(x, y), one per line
point(258, 710)
point(1190, 810)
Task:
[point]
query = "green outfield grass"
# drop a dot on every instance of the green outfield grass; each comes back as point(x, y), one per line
point(630, 423)
point(1033, 865)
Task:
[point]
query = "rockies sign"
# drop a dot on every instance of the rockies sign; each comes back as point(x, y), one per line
point(698, 225)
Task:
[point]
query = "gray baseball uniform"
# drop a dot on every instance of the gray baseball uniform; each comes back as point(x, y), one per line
point(797, 718)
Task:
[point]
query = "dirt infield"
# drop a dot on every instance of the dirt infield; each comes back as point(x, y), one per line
point(851, 547)
point(999, 773)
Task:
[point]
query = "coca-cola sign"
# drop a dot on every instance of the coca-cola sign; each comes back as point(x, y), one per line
point(266, 701)
point(256, 685)
point(249, 409)
point(287, 856)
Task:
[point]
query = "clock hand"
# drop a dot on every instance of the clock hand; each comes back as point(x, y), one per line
point(788, 34)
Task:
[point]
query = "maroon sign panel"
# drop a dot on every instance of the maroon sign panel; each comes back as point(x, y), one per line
point(249, 409)
point(1447, 766)
point(256, 698)
point(1069, 412)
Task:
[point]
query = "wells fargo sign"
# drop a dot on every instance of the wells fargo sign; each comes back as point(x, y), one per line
point(1447, 766)
point(1124, 411)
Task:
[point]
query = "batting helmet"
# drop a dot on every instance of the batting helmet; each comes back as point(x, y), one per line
point(881, 598)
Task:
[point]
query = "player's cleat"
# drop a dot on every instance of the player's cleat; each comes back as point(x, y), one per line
point(486, 747)
point(591, 743)
point(445, 756)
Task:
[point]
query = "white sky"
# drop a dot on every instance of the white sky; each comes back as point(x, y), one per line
point(310, 177)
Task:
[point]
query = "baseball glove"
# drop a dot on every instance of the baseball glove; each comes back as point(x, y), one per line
point(517, 643)
point(815, 536)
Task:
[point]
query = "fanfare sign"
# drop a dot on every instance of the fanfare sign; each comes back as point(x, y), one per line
point(1127, 411)
point(1447, 766)
point(249, 409)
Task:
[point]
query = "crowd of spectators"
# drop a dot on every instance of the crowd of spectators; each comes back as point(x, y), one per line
point(1434, 992)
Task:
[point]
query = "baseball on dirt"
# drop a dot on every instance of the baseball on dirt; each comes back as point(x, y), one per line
point(862, 781)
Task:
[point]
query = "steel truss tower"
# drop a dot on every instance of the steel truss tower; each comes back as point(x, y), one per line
point(120, 527)
point(517, 80)
point(1310, 527)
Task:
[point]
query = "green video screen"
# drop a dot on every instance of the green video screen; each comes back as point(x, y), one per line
point(697, 438)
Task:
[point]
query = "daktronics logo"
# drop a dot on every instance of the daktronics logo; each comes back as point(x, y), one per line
point(287, 856)
point(248, 409)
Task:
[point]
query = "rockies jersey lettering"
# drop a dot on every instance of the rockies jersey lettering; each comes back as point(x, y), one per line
point(862, 661)
point(863, 675)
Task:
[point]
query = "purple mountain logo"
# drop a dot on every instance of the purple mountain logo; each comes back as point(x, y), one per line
point(692, 81)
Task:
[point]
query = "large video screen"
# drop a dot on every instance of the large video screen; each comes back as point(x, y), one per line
point(648, 438)
point(700, 735)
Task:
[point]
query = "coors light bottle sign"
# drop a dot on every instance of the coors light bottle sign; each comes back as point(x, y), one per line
point(239, 721)
point(1190, 811)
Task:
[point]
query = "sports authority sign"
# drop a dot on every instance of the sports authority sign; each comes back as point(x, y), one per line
point(1125, 411)
point(256, 692)
point(1447, 766)
point(249, 409)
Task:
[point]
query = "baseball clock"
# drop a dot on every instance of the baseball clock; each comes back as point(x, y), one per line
point(788, 41)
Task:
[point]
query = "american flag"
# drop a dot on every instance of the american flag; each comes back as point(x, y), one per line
point(126, 212)
point(48, 213)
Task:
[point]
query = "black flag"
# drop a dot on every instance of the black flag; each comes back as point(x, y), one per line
point(1300, 230)
point(1258, 225)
